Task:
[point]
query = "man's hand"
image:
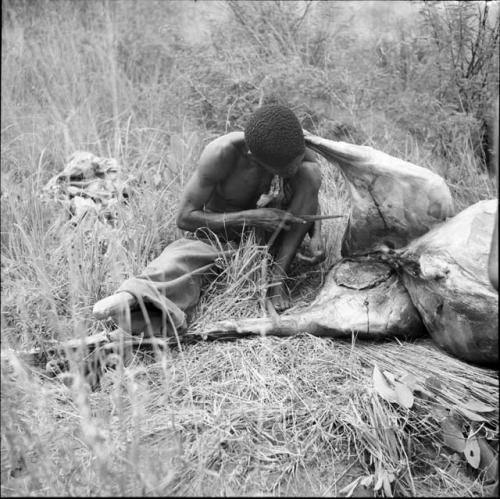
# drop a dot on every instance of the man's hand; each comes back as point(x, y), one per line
point(272, 219)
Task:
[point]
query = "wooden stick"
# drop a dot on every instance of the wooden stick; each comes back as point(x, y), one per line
point(313, 218)
point(306, 218)
point(276, 232)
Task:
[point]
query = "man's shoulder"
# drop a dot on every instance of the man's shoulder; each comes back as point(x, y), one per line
point(220, 155)
point(229, 142)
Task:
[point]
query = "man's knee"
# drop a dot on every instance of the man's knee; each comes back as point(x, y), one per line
point(310, 177)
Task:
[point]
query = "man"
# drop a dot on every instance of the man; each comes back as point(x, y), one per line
point(227, 194)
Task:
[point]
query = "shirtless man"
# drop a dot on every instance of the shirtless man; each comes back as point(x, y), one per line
point(236, 169)
point(227, 194)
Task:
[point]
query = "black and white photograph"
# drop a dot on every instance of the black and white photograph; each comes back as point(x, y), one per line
point(249, 248)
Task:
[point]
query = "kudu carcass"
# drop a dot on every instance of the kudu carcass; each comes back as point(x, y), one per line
point(406, 268)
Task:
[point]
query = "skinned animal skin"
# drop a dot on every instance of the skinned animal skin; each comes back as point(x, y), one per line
point(438, 283)
point(393, 201)
point(446, 274)
point(443, 284)
point(360, 297)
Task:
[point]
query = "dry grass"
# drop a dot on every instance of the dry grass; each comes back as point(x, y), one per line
point(288, 416)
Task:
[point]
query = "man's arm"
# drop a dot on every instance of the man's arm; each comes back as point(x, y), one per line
point(215, 165)
point(304, 202)
point(306, 186)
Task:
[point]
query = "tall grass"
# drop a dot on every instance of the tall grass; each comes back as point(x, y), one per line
point(150, 83)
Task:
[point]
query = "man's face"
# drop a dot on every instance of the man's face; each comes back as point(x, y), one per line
point(287, 171)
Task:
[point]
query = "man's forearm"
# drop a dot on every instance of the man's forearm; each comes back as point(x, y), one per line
point(217, 221)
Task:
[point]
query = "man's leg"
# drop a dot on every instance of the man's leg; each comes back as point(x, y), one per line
point(155, 300)
point(304, 201)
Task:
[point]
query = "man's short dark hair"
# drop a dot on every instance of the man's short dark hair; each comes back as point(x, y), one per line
point(274, 135)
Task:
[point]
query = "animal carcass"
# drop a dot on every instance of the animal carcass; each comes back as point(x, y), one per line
point(393, 201)
point(446, 274)
point(360, 296)
point(444, 270)
point(442, 274)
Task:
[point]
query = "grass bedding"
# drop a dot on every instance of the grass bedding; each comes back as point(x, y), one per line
point(260, 416)
point(285, 416)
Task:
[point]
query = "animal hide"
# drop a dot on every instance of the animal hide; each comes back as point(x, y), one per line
point(446, 274)
point(393, 201)
point(360, 296)
point(442, 265)
point(439, 280)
